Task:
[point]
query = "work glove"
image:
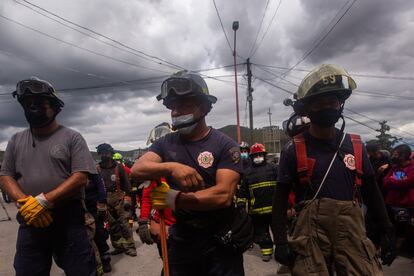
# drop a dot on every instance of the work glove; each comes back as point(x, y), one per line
point(127, 203)
point(388, 246)
point(143, 231)
point(284, 254)
point(102, 210)
point(163, 197)
point(34, 210)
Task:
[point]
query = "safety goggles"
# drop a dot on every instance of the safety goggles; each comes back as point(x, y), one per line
point(34, 87)
point(180, 86)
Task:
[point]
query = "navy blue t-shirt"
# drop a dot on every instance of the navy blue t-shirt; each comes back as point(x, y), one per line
point(207, 155)
point(339, 183)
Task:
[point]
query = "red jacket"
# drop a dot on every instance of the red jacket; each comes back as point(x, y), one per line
point(399, 186)
point(146, 207)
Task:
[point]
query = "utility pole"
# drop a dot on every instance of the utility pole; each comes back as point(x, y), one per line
point(235, 28)
point(250, 98)
point(270, 117)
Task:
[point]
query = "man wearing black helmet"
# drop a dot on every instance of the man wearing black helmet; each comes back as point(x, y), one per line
point(203, 167)
point(45, 169)
point(118, 191)
point(331, 176)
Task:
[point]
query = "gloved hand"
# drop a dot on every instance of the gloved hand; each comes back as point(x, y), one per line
point(102, 210)
point(163, 197)
point(127, 203)
point(34, 210)
point(284, 254)
point(388, 246)
point(143, 231)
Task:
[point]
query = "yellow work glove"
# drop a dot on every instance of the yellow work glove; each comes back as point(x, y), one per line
point(163, 197)
point(33, 208)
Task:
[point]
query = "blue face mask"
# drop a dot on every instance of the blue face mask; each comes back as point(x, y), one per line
point(244, 155)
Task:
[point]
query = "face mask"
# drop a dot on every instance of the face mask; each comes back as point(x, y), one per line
point(187, 121)
point(244, 155)
point(325, 118)
point(258, 160)
point(36, 116)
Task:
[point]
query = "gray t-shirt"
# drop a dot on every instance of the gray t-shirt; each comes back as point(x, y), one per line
point(53, 159)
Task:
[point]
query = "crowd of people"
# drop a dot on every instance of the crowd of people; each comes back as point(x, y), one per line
point(330, 206)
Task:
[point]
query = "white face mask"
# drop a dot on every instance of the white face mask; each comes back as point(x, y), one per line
point(184, 120)
point(258, 160)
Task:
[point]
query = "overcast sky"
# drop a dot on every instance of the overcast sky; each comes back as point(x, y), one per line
point(374, 38)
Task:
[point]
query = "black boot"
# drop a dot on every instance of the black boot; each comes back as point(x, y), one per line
point(106, 263)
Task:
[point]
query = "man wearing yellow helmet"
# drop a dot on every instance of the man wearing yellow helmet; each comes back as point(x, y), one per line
point(331, 176)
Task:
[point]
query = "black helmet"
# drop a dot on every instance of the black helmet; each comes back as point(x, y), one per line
point(104, 148)
point(36, 86)
point(184, 84)
point(244, 145)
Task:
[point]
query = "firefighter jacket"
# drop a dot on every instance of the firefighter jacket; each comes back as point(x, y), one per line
point(257, 188)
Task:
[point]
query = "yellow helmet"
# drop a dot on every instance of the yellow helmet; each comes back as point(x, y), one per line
point(326, 79)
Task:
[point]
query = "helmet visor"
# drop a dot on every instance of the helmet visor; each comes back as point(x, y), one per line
point(180, 86)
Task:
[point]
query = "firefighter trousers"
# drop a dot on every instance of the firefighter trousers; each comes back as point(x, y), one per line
point(330, 237)
point(119, 230)
point(261, 225)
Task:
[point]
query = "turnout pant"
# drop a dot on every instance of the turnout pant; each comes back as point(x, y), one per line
point(261, 225)
point(330, 236)
point(194, 253)
point(65, 240)
point(119, 230)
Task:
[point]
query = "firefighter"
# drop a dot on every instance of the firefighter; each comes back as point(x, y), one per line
point(202, 166)
point(244, 154)
point(257, 188)
point(44, 170)
point(118, 191)
point(331, 175)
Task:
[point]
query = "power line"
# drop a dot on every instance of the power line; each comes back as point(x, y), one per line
point(107, 37)
point(88, 35)
point(391, 77)
point(222, 27)
point(260, 27)
point(377, 121)
point(267, 29)
point(276, 86)
point(80, 47)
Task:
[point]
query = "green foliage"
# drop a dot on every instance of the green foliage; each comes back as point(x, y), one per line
point(386, 140)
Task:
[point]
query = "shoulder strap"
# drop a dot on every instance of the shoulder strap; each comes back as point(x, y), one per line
point(301, 159)
point(357, 145)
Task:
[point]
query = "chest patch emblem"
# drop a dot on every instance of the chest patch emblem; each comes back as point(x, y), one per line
point(205, 159)
point(349, 161)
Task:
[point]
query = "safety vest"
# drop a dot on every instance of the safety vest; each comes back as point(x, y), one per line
point(305, 165)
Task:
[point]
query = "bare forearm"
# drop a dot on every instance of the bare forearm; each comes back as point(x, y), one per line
point(68, 188)
point(208, 199)
point(11, 187)
point(148, 170)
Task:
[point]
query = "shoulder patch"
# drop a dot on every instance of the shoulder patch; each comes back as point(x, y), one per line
point(349, 161)
point(235, 154)
point(205, 159)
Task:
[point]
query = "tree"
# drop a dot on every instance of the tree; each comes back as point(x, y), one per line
point(386, 140)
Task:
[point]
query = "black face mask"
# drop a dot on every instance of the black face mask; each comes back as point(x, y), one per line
point(325, 118)
point(395, 160)
point(36, 116)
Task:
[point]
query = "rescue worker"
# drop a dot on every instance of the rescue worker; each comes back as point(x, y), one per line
point(257, 188)
point(331, 175)
point(45, 169)
point(118, 190)
point(399, 191)
point(120, 159)
point(149, 219)
point(203, 167)
point(95, 202)
point(244, 154)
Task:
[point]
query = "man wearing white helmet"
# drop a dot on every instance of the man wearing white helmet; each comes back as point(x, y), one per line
point(331, 175)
